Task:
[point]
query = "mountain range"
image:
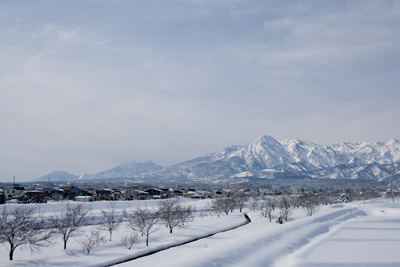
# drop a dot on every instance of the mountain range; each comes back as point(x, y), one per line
point(267, 158)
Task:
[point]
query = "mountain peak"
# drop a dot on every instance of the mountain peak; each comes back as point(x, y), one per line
point(392, 142)
point(268, 140)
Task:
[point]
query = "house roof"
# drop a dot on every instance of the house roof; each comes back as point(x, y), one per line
point(104, 191)
point(15, 187)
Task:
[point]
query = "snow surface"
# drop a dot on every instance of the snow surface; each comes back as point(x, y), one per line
point(351, 234)
point(354, 234)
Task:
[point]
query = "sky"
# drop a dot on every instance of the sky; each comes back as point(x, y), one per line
point(86, 85)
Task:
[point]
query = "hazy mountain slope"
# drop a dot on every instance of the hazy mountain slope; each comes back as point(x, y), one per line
point(125, 170)
point(58, 176)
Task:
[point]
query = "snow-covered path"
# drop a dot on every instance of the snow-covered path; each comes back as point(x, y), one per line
point(341, 235)
point(372, 240)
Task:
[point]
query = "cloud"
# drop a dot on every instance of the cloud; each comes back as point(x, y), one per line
point(170, 81)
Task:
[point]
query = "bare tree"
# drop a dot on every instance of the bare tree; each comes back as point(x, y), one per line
point(285, 205)
point(392, 173)
point(267, 207)
point(110, 220)
point(203, 212)
point(240, 200)
point(223, 204)
point(209, 209)
point(136, 223)
point(174, 214)
point(68, 223)
point(129, 240)
point(144, 221)
point(216, 205)
point(21, 228)
point(90, 241)
point(254, 202)
point(310, 203)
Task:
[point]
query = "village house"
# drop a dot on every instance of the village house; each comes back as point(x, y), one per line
point(104, 194)
point(190, 194)
point(71, 192)
point(33, 196)
point(56, 194)
point(155, 192)
point(131, 194)
point(144, 196)
point(119, 195)
point(84, 199)
point(177, 193)
point(13, 192)
point(131, 191)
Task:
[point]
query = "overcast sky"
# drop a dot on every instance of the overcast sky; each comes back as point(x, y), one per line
point(86, 85)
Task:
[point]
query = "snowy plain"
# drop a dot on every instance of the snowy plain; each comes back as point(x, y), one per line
point(350, 234)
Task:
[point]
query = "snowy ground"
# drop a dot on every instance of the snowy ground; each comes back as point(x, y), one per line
point(353, 234)
point(370, 239)
point(115, 251)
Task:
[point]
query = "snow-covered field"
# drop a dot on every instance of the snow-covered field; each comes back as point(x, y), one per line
point(352, 234)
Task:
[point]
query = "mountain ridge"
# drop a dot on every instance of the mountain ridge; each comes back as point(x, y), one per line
point(268, 158)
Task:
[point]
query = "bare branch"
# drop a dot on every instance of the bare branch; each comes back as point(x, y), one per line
point(68, 223)
point(21, 228)
point(110, 220)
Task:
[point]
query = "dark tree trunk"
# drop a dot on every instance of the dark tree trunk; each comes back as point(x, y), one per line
point(11, 254)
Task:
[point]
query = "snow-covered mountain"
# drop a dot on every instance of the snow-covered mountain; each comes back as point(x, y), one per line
point(126, 170)
point(267, 158)
point(57, 176)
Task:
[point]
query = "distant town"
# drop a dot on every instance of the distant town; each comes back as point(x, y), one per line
point(124, 191)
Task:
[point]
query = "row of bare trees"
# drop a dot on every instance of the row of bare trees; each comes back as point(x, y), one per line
point(226, 204)
point(268, 204)
point(145, 221)
point(286, 203)
point(22, 227)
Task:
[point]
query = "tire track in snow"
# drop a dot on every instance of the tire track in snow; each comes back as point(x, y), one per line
point(294, 237)
point(252, 246)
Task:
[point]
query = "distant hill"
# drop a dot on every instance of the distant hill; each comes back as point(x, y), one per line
point(126, 170)
point(58, 176)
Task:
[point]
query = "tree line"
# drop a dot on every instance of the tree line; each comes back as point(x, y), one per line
point(22, 227)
